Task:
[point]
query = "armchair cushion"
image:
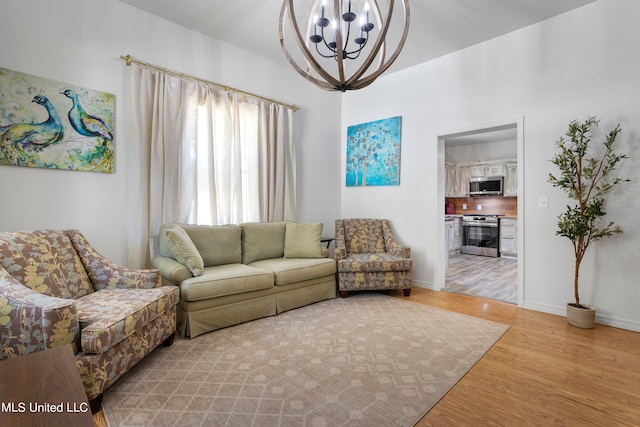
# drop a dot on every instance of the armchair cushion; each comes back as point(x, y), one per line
point(374, 262)
point(111, 315)
point(46, 262)
point(303, 240)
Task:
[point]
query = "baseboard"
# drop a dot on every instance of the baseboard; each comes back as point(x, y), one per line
point(601, 319)
point(546, 308)
point(630, 325)
point(423, 285)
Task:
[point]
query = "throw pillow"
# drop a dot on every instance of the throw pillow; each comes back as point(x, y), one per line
point(303, 240)
point(184, 250)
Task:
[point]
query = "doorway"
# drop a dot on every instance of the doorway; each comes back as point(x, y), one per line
point(490, 148)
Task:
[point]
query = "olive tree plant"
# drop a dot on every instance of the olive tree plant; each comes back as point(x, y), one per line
point(587, 179)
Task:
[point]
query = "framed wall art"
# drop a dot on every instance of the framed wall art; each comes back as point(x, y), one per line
point(49, 124)
point(373, 153)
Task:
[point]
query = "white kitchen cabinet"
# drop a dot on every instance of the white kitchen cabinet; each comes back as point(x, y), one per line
point(495, 169)
point(462, 181)
point(456, 180)
point(451, 184)
point(477, 171)
point(511, 179)
point(509, 237)
point(454, 242)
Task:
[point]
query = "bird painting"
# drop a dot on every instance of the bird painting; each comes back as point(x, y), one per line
point(34, 135)
point(84, 123)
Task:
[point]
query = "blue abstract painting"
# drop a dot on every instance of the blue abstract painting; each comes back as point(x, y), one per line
point(373, 153)
point(49, 124)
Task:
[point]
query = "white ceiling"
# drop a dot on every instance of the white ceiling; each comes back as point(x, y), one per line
point(438, 27)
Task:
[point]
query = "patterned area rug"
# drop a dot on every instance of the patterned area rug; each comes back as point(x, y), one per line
point(366, 360)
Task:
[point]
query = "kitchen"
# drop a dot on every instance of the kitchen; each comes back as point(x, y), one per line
point(481, 214)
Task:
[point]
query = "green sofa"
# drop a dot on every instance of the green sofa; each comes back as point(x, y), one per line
point(229, 274)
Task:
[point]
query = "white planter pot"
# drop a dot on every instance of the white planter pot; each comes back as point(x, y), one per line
point(581, 317)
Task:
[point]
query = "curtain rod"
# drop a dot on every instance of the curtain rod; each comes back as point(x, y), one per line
point(128, 60)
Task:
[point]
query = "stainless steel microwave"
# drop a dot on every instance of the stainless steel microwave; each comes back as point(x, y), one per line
point(486, 186)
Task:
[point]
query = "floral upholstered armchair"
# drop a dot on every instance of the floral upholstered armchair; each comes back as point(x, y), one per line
point(55, 290)
point(370, 258)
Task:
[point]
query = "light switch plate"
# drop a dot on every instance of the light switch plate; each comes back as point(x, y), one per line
point(543, 202)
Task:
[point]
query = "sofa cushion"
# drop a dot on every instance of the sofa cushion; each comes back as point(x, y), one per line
point(292, 270)
point(223, 280)
point(356, 263)
point(111, 315)
point(46, 262)
point(183, 249)
point(217, 244)
point(262, 240)
point(302, 240)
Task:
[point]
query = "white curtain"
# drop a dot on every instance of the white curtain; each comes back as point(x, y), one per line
point(203, 155)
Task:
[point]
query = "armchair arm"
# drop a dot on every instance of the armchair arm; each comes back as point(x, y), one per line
point(31, 321)
point(340, 252)
point(105, 274)
point(392, 246)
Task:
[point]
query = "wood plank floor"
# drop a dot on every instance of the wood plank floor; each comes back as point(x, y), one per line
point(542, 372)
point(481, 276)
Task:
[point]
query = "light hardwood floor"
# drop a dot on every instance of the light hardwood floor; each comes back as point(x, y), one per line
point(542, 372)
point(481, 276)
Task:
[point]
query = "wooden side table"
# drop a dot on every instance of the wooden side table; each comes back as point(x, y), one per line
point(43, 389)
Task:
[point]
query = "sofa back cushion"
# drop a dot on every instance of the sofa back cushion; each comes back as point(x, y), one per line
point(364, 236)
point(262, 240)
point(45, 261)
point(217, 244)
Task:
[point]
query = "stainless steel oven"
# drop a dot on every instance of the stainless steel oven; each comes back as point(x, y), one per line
point(480, 235)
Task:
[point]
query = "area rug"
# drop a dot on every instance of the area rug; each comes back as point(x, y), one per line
point(366, 360)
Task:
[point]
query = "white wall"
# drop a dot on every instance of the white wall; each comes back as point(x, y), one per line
point(581, 63)
point(79, 42)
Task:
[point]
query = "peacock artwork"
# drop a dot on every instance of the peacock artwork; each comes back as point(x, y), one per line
point(48, 124)
point(373, 153)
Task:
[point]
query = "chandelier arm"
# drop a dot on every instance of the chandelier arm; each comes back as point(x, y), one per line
point(339, 51)
point(383, 67)
point(376, 47)
point(331, 83)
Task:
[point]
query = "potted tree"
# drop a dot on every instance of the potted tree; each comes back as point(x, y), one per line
point(587, 179)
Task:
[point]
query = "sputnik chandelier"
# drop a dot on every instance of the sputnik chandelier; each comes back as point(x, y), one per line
point(343, 44)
